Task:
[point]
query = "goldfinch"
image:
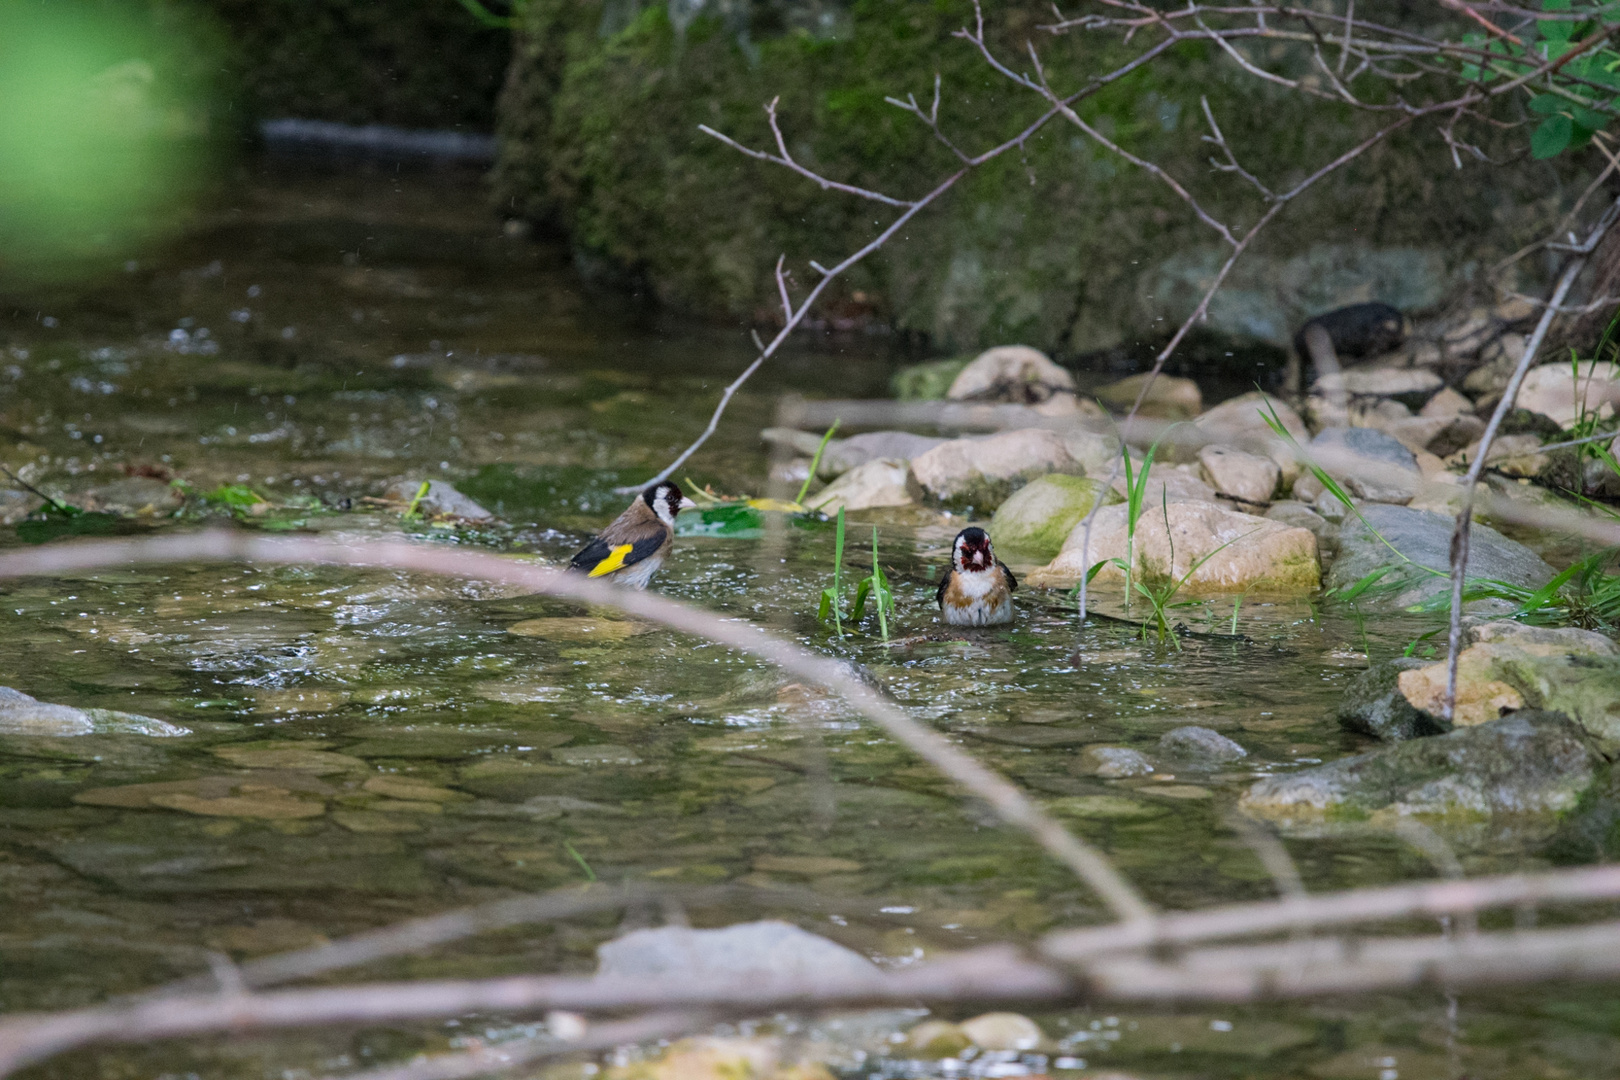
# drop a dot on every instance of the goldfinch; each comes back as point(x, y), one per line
point(631, 550)
point(977, 589)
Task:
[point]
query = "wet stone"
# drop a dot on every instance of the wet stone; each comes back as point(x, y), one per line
point(440, 500)
point(768, 949)
point(298, 759)
point(580, 628)
point(21, 714)
point(1111, 762)
point(1201, 745)
point(1374, 705)
point(597, 754)
point(1004, 1031)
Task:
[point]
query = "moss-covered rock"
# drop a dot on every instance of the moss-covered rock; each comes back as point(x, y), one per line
point(1062, 246)
point(1038, 517)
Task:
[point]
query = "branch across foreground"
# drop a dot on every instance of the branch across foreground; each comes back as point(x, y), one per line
point(1143, 957)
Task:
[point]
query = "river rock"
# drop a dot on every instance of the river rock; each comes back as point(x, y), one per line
point(133, 496)
point(927, 381)
point(843, 455)
point(982, 472)
point(1554, 390)
point(1167, 483)
point(1004, 1031)
point(1291, 512)
point(1200, 745)
point(865, 487)
point(1241, 422)
point(1169, 398)
point(1039, 516)
point(1447, 403)
point(1371, 464)
point(1425, 540)
point(1410, 386)
point(1507, 667)
point(440, 500)
point(1017, 374)
point(21, 714)
point(1095, 452)
point(1111, 762)
point(1254, 553)
point(1530, 763)
point(16, 505)
point(1240, 475)
point(1374, 705)
point(769, 949)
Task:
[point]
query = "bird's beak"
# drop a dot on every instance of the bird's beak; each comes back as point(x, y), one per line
point(686, 504)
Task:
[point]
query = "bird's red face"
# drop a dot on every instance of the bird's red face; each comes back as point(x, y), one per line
point(972, 552)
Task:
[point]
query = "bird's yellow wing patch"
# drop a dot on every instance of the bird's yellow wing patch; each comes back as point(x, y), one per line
point(613, 561)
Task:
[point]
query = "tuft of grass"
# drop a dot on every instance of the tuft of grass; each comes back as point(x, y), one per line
point(876, 586)
point(832, 598)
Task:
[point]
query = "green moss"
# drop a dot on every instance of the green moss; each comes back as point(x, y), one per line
point(1052, 246)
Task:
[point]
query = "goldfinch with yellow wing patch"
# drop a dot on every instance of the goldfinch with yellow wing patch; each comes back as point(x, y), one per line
point(977, 589)
point(630, 551)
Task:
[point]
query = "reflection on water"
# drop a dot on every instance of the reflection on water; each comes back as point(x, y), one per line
point(367, 746)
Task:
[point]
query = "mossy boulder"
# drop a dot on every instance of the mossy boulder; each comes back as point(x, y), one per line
point(1038, 517)
point(600, 133)
point(1528, 765)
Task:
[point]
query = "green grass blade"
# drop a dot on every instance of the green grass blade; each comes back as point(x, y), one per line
point(815, 462)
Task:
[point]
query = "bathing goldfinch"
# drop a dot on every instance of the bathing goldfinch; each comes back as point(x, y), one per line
point(630, 551)
point(977, 589)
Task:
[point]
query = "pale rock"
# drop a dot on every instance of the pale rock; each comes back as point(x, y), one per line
point(1430, 465)
point(1447, 403)
point(1012, 373)
point(1458, 432)
point(1169, 398)
point(440, 500)
point(865, 487)
point(1514, 455)
point(1378, 413)
point(1168, 483)
point(1244, 476)
point(1553, 390)
point(1234, 552)
point(1241, 422)
point(843, 455)
point(1200, 744)
point(982, 472)
point(1095, 453)
point(1038, 517)
point(1383, 382)
point(1111, 762)
point(1469, 333)
point(1004, 1031)
point(1299, 515)
point(1513, 309)
point(769, 950)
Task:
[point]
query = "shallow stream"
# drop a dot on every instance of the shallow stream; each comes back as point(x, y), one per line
point(414, 745)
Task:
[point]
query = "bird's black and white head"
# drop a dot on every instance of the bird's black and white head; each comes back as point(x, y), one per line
point(971, 553)
point(666, 501)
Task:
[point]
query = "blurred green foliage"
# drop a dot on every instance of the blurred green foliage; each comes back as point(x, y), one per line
point(104, 132)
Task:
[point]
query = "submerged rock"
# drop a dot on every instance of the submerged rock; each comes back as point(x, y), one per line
point(441, 500)
point(865, 487)
point(1530, 763)
point(24, 715)
point(1200, 744)
point(1374, 705)
point(982, 472)
point(1004, 1031)
point(133, 496)
point(1425, 540)
point(1111, 762)
point(1231, 551)
point(769, 949)
point(1039, 516)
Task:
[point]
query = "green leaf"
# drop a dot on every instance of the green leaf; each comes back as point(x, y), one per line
point(85, 523)
point(234, 495)
point(861, 593)
point(829, 600)
point(1546, 104)
point(1552, 137)
point(1590, 120)
point(737, 520)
